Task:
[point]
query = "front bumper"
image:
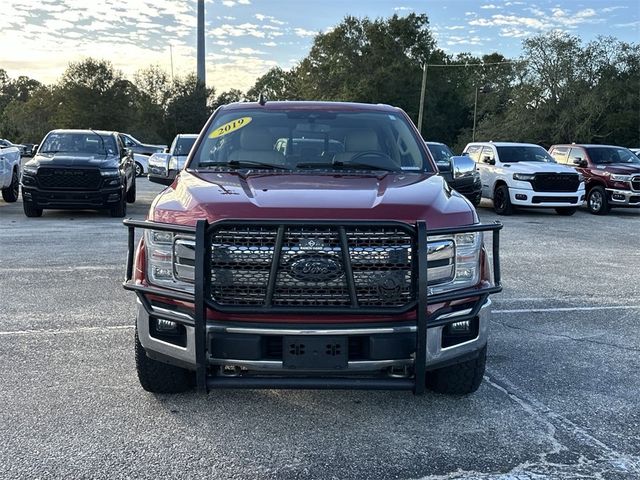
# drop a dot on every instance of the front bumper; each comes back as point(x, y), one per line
point(523, 197)
point(72, 199)
point(438, 351)
point(623, 198)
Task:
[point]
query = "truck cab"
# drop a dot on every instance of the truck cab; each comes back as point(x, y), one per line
point(525, 175)
point(323, 266)
point(611, 173)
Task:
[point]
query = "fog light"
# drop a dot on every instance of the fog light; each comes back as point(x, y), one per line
point(113, 197)
point(166, 326)
point(460, 327)
point(617, 196)
point(521, 196)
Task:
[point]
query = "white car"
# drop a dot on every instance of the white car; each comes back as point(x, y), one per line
point(9, 173)
point(142, 164)
point(525, 175)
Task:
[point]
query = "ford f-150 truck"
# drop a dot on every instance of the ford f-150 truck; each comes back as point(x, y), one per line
point(9, 173)
point(350, 267)
point(612, 174)
point(79, 169)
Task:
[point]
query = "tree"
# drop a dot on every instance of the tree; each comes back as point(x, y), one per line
point(189, 107)
point(276, 84)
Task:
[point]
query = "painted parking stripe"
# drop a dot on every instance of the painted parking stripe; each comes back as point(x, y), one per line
point(66, 330)
point(569, 309)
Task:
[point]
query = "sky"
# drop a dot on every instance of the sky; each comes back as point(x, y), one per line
point(245, 38)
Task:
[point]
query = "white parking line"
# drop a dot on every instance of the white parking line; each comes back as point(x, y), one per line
point(64, 268)
point(569, 309)
point(66, 330)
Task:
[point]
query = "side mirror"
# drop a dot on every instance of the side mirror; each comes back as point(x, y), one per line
point(462, 166)
point(161, 180)
point(444, 165)
point(580, 162)
point(34, 149)
point(166, 150)
point(487, 159)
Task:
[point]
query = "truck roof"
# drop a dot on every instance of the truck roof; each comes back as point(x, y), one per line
point(306, 105)
point(74, 130)
point(505, 144)
point(587, 145)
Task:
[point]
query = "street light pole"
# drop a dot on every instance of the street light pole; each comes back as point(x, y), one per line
point(200, 44)
point(422, 95)
point(475, 111)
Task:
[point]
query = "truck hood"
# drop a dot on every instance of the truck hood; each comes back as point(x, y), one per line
point(399, 196)
point(537, 167)
point(74, 160)
point(619, 168)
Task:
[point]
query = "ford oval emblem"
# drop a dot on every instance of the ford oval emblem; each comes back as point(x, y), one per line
point(315, 268)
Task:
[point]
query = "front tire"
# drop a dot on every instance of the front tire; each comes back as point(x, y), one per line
point(597, 201)
point(566, 211)
point(459, 379)
point(139, 170)
point(501, 201)
point(120, 210)
point(131, 194)
point(31, 210)
point(475, 200)
point(10, 194)
point(158, 377)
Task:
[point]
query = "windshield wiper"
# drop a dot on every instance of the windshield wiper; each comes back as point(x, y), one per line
point(341, 165)
point(243, 163)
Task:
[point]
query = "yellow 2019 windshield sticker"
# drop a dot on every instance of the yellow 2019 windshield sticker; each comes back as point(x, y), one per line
point(229, 127)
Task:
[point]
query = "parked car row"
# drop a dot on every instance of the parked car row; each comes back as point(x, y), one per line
point(526, 175)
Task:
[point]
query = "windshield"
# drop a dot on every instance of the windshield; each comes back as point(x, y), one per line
point(524, 153)
point(183, 145)
point(73, 142)
point(606, 155)
point(310, 139)
point(441, 153)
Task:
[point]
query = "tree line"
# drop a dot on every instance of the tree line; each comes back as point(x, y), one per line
point(558, 90)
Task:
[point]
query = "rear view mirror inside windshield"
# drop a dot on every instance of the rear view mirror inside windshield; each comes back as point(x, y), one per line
point(313, 128)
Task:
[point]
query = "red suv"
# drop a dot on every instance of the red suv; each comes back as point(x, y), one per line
point(611, 174)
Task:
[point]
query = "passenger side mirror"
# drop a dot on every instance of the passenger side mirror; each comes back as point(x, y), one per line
point(166, 150)
point(462, 166)
point(487, 159)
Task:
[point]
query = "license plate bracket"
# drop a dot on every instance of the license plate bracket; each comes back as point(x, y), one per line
point(315, 352)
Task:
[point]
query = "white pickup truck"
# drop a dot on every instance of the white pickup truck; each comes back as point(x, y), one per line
point(525, 175)
point(10, 173)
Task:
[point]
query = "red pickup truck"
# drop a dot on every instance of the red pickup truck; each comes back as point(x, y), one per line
point(342, 261)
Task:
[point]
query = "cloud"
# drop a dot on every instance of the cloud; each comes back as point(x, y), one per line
point(489, 6)
point(513, 32)
point(454, 40)
point(233, 3)
point(301, 32)
point(269, 18)
point(243, 51)
point(269, 44)
point(402, 9)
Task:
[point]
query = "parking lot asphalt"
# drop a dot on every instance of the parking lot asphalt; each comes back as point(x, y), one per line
point(560, 397)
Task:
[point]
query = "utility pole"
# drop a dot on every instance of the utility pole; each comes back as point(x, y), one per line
point(200, 35)
point(171, 58)
point(475, 111)
point(422, 95)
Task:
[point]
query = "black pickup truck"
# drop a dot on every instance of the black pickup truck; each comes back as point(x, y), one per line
point(79, 169)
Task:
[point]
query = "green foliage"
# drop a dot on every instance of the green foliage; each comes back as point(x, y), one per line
point(559, 91)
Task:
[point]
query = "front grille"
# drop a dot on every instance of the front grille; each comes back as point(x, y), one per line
point(554, 200)
point(69, 178)
point(555, 182)
point(635, 183)
point(311, 269)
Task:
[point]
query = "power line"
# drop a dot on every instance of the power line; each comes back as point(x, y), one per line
point(474, 64)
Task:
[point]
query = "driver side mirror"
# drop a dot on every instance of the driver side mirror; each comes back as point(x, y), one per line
point(166, 150)
point(487, 159)
point(580, 162)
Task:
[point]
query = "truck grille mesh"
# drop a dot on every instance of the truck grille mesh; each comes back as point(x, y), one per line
point(69, 178)
point(556, 182)
point(635, 183)
point(310, 270)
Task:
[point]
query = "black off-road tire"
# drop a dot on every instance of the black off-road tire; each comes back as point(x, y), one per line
point(131, 194)
point(158, 377)
point(30, 210)
point(597, 201)
point(11, 193)
point(501, 201)
point(120, 210)
point(566, 211)
point(459, 379)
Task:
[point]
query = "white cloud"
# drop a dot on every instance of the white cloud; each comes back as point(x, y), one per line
point(455, 27)
point(243, 51)
point(489, 6)
point(402, 9)
point(514, 32)
point(269, 44)
point(301, 32)
point(233, 3)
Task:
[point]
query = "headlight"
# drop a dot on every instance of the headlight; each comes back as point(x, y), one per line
point(109, 173)
point(159, 247)
point(467, 262)
point(621, 178)
point(30, 170)
point(524, 177)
